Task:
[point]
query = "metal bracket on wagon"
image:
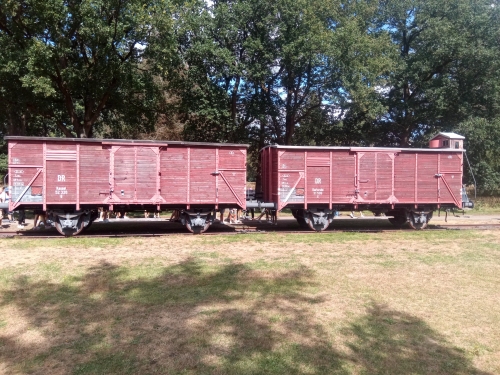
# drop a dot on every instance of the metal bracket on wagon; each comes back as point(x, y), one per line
point(419, 220)
point(70, 223)
point(196, 222)
point(319, 220)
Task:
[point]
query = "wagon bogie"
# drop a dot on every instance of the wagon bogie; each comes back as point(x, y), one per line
point(316, 219)
point(196, 222)
point(70, 224)
point(419, 220)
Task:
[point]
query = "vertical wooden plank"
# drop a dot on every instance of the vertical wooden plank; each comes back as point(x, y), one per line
point(270, 183)
point(44, 188)
point(416, 179)
point(331, 180)
point(188, 178)
point(217, 178)
point(277, 180)
point(376, 176)
point(356, 176)
point(305, 181)
point(112, 151)
point(158, 174)
point(439, 179)
point(393, 188)
point(78, 176)
point(135, 174)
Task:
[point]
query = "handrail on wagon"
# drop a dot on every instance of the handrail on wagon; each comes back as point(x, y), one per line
point(472, 174)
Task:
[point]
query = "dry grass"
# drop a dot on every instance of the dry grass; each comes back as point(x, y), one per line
point(333, 303)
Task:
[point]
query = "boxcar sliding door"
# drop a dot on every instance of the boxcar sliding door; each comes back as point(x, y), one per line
point(374, 177)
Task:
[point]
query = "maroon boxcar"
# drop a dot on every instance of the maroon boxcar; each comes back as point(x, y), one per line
point(405, 184)
point(71, 178)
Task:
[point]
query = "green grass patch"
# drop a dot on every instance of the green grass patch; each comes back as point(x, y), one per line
point(330, 303)
point(112, 363)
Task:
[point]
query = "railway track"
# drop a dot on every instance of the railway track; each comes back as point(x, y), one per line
point(161, 228)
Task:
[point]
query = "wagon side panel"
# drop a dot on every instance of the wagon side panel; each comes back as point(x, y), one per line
point(450, 171)
point(61, 173)
point(202, 177)
point(94, 173)
point(26, 173)
point(124, 173)
point(231, 176)
point(146, 173)
point(174, 173)
point(343, 176)
point(367, 175)
point(427, 182)
point(289, 177)
point(318, 177)
point(405, 175)
point(384, 181)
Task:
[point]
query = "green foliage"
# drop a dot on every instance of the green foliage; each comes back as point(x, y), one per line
point(482, 144)
point(72, 62)
point(446, 67)
point(272, 65)
point(303, 72)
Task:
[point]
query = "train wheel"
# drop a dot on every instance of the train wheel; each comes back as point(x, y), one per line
point(419, 221)
point(70, 224)
point(299, 216)
point(302, 222)
point(398, 221)
point(317, 221)
point(196, 222)
point(197, 229)
point(69, 232)
point(318, 228)
point(93, 217)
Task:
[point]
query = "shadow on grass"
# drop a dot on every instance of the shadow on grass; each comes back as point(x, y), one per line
point(392, 342)
point(193, 320)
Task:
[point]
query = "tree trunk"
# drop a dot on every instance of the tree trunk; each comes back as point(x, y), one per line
point(16, 125)
point(289, 129)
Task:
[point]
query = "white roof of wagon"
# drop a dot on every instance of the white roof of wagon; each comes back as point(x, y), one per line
point(361, 149)
point(448, 135)
point(131, 142)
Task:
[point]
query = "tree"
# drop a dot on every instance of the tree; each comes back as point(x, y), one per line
point(482, 142)
point(251, 64)
point(439, 77)
point(72, 62)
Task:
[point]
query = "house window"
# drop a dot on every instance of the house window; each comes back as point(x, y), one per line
point(446, 143)
point(457, 144)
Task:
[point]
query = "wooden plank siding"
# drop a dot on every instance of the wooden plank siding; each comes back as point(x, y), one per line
point(298, 177)
point(91, 173)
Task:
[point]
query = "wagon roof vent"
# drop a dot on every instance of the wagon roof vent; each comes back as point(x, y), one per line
point(447, 140)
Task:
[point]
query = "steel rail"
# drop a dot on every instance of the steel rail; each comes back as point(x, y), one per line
point(239, 231)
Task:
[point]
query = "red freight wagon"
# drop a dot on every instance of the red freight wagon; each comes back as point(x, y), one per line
point(71, 178)
point(407, 184)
